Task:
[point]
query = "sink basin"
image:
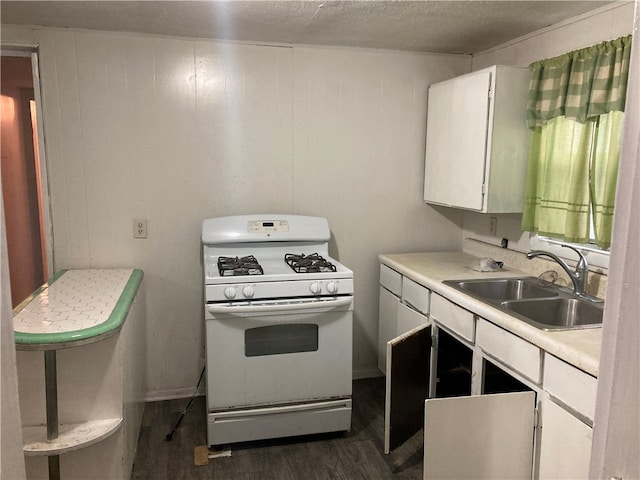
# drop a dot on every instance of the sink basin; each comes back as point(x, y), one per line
point(558, 313)
point(501, 289)
point(544, 307)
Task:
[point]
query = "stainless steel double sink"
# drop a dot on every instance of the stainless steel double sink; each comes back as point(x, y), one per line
point(545, 307)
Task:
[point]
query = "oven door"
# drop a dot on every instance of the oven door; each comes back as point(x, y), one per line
point(277, 352)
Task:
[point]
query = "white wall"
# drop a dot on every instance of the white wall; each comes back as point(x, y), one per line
point(178, 130)
point(603, 24)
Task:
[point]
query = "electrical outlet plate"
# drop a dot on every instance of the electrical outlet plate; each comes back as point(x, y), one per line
point(140, 228)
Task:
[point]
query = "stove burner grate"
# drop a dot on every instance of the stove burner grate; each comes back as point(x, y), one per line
point(312, 263)
point(232, 266)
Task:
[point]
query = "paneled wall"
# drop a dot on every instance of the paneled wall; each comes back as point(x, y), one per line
point(177, 130)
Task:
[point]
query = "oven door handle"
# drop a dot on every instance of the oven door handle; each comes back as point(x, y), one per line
point(280, 307)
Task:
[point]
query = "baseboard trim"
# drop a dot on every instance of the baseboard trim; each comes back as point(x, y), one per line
point(174, 394)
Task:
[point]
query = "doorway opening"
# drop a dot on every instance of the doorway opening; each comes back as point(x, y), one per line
point(23, 176)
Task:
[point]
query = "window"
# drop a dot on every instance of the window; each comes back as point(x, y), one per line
point(575, 113)
point(597, 258)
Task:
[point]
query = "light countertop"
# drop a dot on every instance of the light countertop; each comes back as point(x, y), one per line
point(75, 306)
point(580, 348)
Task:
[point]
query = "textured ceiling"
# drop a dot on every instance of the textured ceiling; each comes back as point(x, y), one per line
point(453, 26)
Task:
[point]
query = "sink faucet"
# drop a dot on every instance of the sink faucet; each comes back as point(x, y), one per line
point(578, 277)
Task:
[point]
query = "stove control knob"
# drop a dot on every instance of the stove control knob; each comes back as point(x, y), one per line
point(248, 291)
point(316, 288)
point(230, 292)
point(332, 287)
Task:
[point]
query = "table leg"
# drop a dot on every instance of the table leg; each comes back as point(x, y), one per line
point(54, 467)
point(51, 394)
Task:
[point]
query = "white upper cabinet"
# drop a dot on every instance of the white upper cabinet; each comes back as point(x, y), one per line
point(477, 141)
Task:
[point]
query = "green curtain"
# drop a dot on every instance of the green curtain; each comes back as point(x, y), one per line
point(604, 174)
point(575, 113)
point(556, 200)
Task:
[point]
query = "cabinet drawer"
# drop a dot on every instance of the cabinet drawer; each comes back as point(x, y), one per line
point(452, 316)
point(519, 354)
point(391, 280)
point(570, 385)
point(415, 295)
point(408, 319)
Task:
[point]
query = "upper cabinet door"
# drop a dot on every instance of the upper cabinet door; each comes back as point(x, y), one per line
point(479, 437)
point(477, 141)
point(457, 125)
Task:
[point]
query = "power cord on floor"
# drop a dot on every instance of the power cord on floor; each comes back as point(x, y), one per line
point(184, 412)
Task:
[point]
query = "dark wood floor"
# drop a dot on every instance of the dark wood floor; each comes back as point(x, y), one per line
point(346, 456)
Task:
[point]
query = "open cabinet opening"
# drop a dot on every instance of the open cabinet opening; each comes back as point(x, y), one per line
point(497, 380)
point(453, 367)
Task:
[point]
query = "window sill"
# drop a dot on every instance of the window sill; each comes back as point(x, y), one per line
point(597, 259)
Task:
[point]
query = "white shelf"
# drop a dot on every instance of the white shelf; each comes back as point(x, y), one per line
point(71, 436)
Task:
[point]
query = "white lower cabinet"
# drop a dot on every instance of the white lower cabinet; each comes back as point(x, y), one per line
point(453, 317)
point(416, 296)
point(407, 372)
point(408, 319)
point(465, 436)
point(571, 387)
point(510, 350)
point(530, 417)
point(479, 437)
point(404, 327)
point(387, 324)
point(565, 448)
point(487, 435)
point(403, 306)
point(568, 408)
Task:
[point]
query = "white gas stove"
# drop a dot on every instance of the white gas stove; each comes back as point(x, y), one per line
point(278, 317)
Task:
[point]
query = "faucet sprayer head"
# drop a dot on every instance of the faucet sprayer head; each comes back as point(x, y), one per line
point(582, 264)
